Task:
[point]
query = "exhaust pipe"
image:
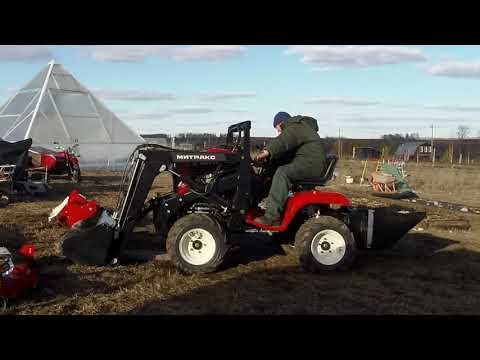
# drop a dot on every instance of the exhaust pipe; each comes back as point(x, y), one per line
point(382, 228)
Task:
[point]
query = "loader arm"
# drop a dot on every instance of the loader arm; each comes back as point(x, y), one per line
point(146, 164)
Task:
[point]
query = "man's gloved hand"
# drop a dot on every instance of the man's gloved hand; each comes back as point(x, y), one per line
point(262, 156)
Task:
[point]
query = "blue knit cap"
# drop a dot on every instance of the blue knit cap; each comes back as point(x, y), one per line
point(280, 118)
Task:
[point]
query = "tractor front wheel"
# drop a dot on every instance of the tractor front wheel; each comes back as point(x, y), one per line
point(196, 244)
point(325, 244)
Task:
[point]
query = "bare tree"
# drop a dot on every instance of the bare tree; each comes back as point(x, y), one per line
point(463, 132)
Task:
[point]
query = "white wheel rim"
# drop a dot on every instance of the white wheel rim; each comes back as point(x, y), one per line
point(197, 246)
point(328, 247)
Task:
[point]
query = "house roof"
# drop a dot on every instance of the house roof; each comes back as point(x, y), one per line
point(409, 148)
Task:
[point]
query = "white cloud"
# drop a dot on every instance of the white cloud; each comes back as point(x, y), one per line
point(26, 53)
point(191, 110)
point(341, 101)
point(454, 108)
point(151, 116)
point(362, 102)
point(400, 120)
point(208, 52)
point(356, 55)
point(159, 115)
point(132, 95)
point(458, 69)
point(237, 111)
point(139, 53)
point(229, 95)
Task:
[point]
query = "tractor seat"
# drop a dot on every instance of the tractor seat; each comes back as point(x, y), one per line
point(310, 184)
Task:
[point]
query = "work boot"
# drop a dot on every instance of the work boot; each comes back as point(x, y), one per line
point(264, 220)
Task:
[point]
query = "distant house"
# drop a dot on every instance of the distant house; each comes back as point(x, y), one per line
point(364, 153)
point(415, 149)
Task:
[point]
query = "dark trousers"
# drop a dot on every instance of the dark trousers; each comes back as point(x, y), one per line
point(283, 179)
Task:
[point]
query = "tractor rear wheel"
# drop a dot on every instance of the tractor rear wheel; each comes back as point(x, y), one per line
point(196, 244)
point(325, 244)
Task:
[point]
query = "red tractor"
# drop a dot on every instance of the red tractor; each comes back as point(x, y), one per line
point(216, 194)
point(64, 161)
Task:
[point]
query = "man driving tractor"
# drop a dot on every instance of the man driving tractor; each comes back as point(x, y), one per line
point(299, 148)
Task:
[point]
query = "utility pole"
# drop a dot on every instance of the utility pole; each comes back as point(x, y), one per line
point(433, 152)
point(339, 145)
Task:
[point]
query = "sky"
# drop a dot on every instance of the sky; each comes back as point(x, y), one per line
point(361, 91)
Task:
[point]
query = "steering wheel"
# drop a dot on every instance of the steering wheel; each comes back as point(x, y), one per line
point(262, 166)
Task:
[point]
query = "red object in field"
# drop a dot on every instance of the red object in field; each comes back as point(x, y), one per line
point(48, 161)
point(23, 276)
point(60, 162)
point(297, 202)
point(76, 209)
point(28, 251)
point(183, 189)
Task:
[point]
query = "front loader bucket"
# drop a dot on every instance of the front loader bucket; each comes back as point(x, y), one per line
point(382, 228)
point(90, 246)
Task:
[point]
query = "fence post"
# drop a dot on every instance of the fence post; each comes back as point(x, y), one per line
point(460, 159)
point(433, 158)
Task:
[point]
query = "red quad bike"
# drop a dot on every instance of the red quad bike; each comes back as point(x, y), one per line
point(16, 279)
point(61, 162)
point(216, 194)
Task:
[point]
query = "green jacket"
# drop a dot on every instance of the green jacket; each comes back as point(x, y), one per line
point(300, 139)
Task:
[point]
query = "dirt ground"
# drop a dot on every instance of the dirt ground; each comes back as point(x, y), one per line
point(429, 271)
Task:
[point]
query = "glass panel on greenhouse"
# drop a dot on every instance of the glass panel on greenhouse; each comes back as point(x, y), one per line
point(18, 133)
point(19, 103)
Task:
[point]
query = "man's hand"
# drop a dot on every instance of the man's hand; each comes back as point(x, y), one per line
point(262, 156)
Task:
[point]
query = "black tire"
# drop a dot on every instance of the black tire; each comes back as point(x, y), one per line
point(190, 222)
point(306, 235)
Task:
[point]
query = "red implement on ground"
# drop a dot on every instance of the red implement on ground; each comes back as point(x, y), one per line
point(73, 209)
point(16, 279)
